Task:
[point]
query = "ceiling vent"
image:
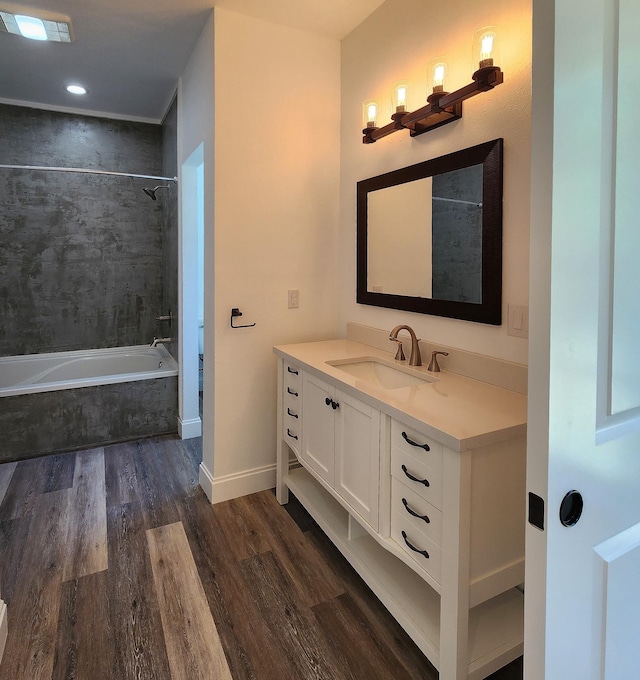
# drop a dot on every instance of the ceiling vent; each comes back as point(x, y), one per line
point(36, 24)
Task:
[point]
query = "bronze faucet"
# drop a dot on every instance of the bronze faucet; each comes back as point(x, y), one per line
point(415, 359)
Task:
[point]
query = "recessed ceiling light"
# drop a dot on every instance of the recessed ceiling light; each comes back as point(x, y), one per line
point(76, 89)
point(45, 26)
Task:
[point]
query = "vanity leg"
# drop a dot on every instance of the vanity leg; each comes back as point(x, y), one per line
point(454, 603)
point(282, 451)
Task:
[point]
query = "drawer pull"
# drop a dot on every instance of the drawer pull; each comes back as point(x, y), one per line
point(414, 479)
point(291, 370)
point(290, 391)
point(293, 436)
point(412, 547)
point(410, 441)
point(291, 413)
point(408, 508)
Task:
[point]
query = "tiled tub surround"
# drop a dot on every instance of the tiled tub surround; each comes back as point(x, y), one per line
point(69, 400)
point(450, 580)
point(81, 255)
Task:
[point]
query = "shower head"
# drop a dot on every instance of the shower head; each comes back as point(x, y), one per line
point(152, 192)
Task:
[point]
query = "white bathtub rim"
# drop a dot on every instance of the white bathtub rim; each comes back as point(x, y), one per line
point(170, 369)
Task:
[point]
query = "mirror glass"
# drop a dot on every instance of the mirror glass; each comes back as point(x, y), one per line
point(430, 236)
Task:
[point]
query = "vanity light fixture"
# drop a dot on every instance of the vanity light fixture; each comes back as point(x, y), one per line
point(35, 24)
point(443, 107)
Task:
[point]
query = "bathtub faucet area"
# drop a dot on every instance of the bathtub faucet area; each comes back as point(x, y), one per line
point(157, 341)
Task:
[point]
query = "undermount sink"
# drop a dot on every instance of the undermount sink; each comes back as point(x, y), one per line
point(380, 373)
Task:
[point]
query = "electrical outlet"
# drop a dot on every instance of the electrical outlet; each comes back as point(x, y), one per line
point(518, 321)
point(294, 299)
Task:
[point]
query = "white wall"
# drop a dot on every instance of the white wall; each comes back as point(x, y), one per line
point(397, 42)
point(277, 94)
point(195, 127)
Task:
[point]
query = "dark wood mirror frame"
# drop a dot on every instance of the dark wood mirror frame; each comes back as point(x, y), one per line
point(489, 311)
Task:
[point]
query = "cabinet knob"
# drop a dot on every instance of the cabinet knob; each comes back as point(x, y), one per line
point(327, 401)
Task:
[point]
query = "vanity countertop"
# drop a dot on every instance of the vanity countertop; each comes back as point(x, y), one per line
point(460, 412)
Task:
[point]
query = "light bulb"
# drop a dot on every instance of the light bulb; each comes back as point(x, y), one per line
point(370, 114)
point(436, 76)
point(401, 96)
point(485, 43)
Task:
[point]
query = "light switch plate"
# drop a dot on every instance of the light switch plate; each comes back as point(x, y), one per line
point(294, 299)
point(518, 321)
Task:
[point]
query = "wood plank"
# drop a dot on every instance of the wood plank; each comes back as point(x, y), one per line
point(30, 649)
point(58, 471)
point(244, 633)
point(295, 633)
point(193, 646)
point(133, 605)
point(87, 526)
point(155, 490)
point(355, 642)
point(84, 647)
point(27, 483)
point(14, 536)
point(121, 482)
point(6, 473)
point(314, 581)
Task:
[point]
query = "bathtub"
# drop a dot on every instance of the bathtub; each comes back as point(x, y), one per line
point(81, 399)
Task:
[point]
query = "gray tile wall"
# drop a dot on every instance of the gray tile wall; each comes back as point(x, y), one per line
point(169, 201)
point(81, 256)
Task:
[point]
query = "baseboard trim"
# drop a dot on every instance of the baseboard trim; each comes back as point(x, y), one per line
point(188, 429)
point(243, 483)
point(205, 479)
point(4, 626)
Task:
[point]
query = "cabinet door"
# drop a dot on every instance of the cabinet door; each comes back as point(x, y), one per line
point(358, 456)
point(317, 451)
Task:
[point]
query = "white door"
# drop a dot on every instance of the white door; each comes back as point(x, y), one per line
point(582, 608)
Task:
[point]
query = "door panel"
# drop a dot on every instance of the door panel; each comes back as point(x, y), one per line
point(318, 428)
point(584, 422)
point(357, 456)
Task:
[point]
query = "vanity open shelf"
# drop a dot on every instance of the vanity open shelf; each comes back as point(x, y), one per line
point(421, 488)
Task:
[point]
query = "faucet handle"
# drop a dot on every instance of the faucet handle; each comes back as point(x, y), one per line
point(433, 364)
point(400, 351)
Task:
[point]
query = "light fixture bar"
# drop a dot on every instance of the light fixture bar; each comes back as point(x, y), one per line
point(442, 108)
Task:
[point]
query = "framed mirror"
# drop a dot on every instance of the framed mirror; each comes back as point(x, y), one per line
point(429, 236)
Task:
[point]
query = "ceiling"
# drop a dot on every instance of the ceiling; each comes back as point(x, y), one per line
point(129, 54)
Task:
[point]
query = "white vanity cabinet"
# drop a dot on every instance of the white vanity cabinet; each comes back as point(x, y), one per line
point(340, 443)
point(433, 523)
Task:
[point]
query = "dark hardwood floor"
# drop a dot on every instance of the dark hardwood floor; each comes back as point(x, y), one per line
point(114, 565)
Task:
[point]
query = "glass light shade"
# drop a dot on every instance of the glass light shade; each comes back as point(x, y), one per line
point(485, 47)
point(370, 114)
point(31, 27)
point(437, 71)
point(400, 96)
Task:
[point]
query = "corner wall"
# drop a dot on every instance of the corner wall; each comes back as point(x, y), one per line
point(276, 228)
point(397, 42)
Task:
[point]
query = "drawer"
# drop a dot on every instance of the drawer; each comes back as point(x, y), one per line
point(427, 451)
point(414, 473)
point(292, 381)
point(415, 510)
point(425, 552)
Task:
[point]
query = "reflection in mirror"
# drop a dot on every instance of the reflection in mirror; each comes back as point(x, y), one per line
point(430, 236)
